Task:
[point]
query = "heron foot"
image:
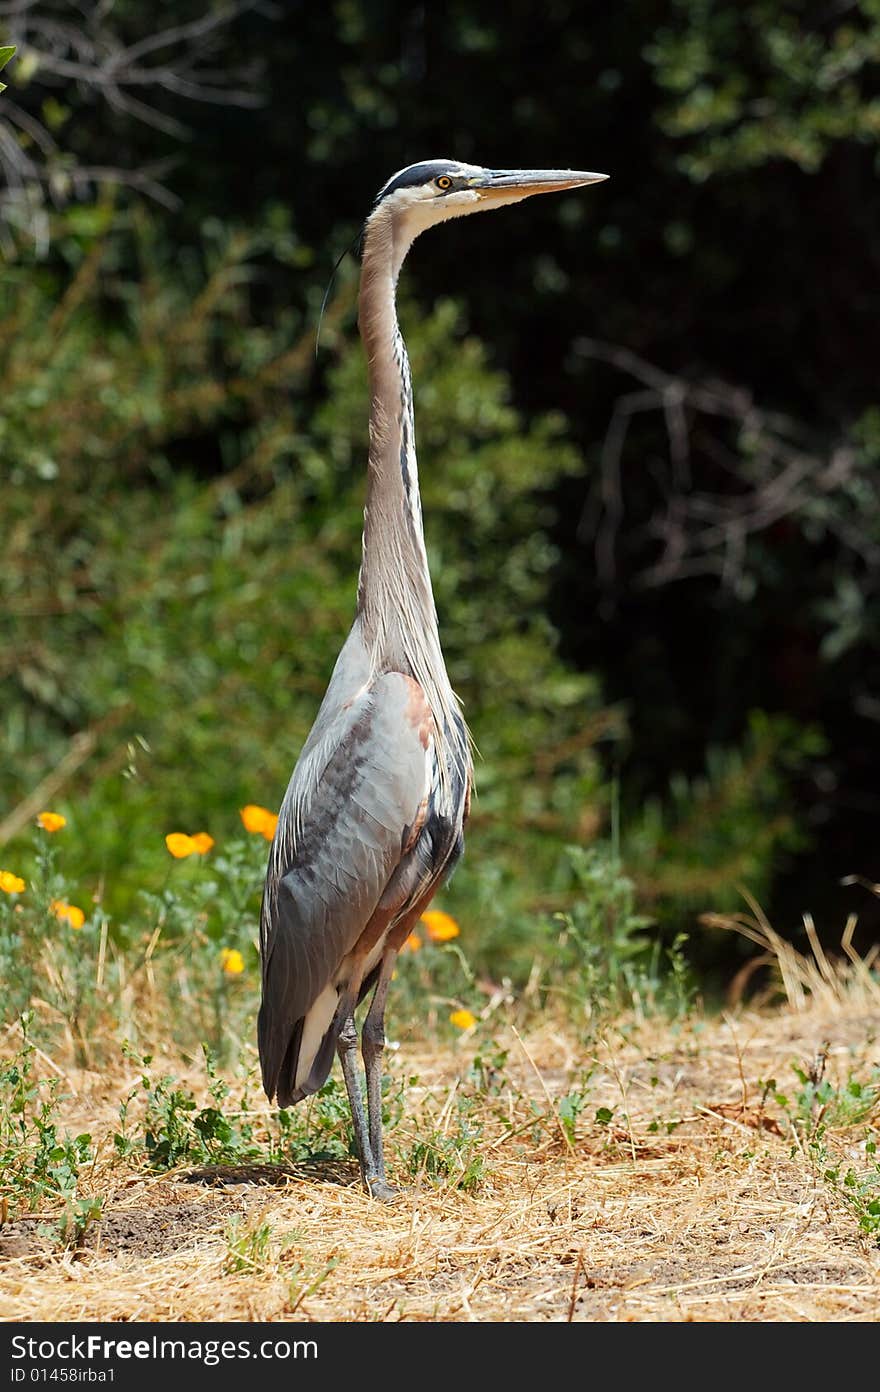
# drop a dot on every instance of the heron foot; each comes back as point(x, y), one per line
point(380, 1189)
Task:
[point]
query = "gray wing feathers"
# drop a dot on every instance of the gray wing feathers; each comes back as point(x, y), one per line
point(353, 799)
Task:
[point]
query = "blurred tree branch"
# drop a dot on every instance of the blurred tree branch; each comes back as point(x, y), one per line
point(83, 50)
point(765, 476)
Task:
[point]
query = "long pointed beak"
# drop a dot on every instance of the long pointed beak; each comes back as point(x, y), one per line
point(504, 182)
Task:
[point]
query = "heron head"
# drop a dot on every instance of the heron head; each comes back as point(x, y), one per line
point(433, 191)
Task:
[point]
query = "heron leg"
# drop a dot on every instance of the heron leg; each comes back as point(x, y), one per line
point(347, 1047)
point(373, 1046)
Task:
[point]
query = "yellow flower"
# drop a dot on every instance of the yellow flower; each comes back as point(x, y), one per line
point(202, 842)
point(51, 821)
point(180, 845)
point(11, 884)
point(412, 944)
point(74, 916)
point(441, 926)
point(462, 1019)
point(231, 961)
point(259, 819)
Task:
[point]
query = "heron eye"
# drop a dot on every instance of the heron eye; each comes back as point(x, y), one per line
point(444, 182)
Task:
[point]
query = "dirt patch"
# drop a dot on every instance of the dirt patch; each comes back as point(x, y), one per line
point(142, 1232)
point(150, 1233)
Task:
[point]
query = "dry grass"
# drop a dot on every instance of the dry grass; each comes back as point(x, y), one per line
point(700, 1199)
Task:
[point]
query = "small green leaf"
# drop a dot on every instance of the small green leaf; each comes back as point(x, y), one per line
point(6, 53)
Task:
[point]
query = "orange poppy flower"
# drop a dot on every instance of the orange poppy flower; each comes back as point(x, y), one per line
point(231, 961)
point(67, 913)
point(259, 819)
point(440, 926)
point(180, 845)
point(462, 1019)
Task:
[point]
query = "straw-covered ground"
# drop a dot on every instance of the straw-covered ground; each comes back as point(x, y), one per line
point(712, 1169)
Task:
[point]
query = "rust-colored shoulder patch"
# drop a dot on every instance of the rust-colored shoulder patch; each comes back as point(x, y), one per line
point(418, 712)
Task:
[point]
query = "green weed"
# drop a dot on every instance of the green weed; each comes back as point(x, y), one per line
point(162, 1122)
point(248, 1249)
point(39, 1166)
point(568, 1110)
point(174, 1130)
point(602, 954)
point(451, 1157)
point(815, 1112)
point(255, 1250)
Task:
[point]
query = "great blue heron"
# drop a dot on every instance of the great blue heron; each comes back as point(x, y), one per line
point(372, 820)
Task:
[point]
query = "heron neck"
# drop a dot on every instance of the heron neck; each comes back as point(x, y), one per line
point(395, 598)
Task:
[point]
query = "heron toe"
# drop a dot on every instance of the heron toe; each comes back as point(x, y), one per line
point(381, 1190)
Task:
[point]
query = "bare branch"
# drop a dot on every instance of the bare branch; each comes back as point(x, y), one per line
point(768, 478)
point(179, 61)
point(146, 180)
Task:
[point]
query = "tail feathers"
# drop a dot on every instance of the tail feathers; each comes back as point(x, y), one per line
point(283, 1060)
point(318, 1073)
point(278, 1057)
point(281, 1063)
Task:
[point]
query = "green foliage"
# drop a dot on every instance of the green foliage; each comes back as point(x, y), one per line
point(42, 953)
point(322, 1131)
point(818, 1111)
point(486, 1074)
point(255, 1249)
point(819, 1103)
point(101, 980)
point(248, 1249)
point(569, 1109)
point(599, 954)
point(174, 1130)
point(727, 829)
point(194, 626)
point(861, 1191)
point(7, 51)
point(757, 82)
point(451, 1158)
point(162, 1124)
point(38, 1166)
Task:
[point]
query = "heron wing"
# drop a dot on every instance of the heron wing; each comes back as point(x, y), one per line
point(350, 808)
